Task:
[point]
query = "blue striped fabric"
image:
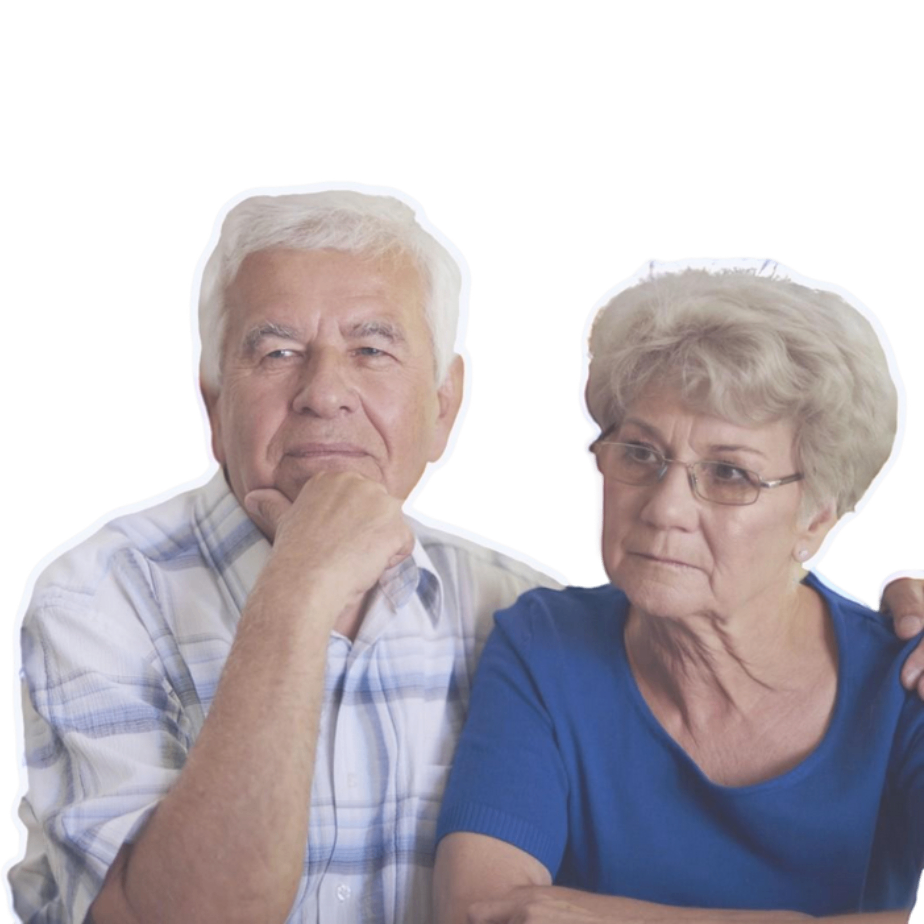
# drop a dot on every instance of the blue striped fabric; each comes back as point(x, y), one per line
point(123, 647)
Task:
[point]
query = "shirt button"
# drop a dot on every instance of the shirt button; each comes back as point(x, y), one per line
point(343, 892)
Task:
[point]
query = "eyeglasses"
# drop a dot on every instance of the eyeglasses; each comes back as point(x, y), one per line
point(716, 482)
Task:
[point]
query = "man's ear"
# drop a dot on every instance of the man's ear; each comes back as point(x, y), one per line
point(449, 397)
point(210, 395)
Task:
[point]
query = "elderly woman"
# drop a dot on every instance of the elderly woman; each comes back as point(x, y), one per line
point(715, 729)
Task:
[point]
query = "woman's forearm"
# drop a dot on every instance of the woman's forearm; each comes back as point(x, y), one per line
point(482, 880)
point(557, 904)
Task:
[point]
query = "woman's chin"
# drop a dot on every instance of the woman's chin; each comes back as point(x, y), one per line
point(668, 599)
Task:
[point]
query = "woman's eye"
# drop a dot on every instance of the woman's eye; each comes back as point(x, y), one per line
point(642, 454)
point(723, 471)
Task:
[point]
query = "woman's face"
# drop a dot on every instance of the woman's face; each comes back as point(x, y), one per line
point(677, 555)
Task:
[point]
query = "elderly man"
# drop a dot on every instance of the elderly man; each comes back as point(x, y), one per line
point(278, 658)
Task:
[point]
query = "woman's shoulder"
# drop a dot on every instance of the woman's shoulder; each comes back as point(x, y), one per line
point(855, 619)
point(568, 614)
point(869, 649)
point(569, 643)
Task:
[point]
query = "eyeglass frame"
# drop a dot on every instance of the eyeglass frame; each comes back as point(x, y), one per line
point(691, 475)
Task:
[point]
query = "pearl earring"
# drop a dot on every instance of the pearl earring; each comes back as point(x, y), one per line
point(802, 554)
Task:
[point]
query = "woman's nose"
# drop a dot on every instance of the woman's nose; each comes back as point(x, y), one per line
point(672, 501)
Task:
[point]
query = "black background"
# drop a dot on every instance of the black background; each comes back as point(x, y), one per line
point(103, 411)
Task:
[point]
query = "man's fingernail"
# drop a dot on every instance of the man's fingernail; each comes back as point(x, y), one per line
point(910, 676)
point(910, 625)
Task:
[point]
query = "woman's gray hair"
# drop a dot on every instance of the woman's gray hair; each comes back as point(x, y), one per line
point(344, 220)
point(754, 349)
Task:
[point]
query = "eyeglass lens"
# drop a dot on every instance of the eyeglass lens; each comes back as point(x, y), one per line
point(719, 482)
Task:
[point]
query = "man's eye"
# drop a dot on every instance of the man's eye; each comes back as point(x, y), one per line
point(281, 353)
point(370, 351)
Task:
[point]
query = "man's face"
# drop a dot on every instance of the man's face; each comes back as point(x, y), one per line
point(328, 366)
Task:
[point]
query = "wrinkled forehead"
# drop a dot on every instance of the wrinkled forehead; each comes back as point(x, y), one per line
point(299, 290)
point(298, 295)
point(278, 273)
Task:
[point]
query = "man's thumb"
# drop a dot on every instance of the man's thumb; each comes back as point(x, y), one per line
point(266, 507)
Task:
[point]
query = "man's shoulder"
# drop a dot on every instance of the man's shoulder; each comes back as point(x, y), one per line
point(476, 579)
point(454, 554)
point(164, 534)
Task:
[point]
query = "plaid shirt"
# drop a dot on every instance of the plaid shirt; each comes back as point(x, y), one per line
point(123, 647)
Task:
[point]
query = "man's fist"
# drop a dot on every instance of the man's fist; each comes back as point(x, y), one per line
point(341, 533)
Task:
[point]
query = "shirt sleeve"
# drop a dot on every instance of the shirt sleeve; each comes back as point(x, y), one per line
point(909, 745)
point(105, 736)
point(508, 779)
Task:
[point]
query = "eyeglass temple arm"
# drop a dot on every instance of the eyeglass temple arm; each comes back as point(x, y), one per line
point(789, 479)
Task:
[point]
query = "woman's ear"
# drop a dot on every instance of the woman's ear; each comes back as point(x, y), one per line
point(810, 537)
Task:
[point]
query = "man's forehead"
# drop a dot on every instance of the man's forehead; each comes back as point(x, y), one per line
point(285, 272)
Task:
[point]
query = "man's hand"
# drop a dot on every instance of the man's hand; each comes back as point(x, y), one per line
point(341, 533)
point(904, 599)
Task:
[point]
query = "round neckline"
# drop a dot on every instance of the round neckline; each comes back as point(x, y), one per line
point(793, 774)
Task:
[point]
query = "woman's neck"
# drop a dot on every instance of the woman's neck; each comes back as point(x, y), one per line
point(710, 665)
point(716, 682)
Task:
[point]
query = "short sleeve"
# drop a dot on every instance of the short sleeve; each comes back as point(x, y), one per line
point(898, 852)
point(105, 738)
point(909, 777)
point(508, 780)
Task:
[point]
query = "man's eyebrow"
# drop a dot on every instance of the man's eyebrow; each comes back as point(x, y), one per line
point(376, 327)
point(256, 335)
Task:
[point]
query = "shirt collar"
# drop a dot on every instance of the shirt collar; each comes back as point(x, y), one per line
point(416, 574)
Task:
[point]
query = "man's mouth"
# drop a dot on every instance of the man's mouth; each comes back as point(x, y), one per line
point(318, 450)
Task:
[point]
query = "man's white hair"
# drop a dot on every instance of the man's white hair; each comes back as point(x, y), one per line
point(344, 220)
point(754, 349)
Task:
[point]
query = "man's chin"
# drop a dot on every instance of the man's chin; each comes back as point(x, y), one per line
point(295, 472)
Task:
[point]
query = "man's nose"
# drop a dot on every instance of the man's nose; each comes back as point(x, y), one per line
point(671, 502)
point(325, 388)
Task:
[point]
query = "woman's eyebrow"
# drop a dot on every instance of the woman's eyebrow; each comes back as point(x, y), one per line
point(647, 428)
point(736, 448)
point(655, 433)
